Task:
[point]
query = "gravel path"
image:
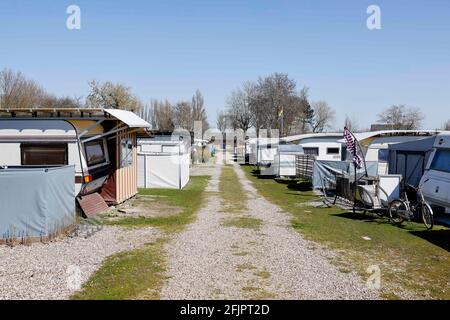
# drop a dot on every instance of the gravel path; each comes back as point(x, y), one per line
point(43, 271)
point(211, 261)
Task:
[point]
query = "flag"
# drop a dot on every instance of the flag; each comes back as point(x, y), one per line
point(280, 112)
point(352, 147)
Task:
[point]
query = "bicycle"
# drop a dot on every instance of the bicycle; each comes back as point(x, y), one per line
point(403, 209)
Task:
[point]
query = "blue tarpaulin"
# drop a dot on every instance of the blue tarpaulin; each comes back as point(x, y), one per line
point(36, 202)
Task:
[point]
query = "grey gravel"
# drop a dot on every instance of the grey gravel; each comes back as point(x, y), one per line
point(211, 261)
point(49, 271)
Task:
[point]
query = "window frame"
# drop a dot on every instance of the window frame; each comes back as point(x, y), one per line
point(128, 161)
point(311, 148)
point(61, 145)
point(387, 155)
point(104, 149)
point(333, 153)
point(438, 151)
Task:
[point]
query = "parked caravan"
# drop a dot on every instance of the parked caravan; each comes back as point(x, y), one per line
point(324, 146)
point(100, 143)
point(435, 182)
point(375, 145)
point(261, 151)
point(163, 163)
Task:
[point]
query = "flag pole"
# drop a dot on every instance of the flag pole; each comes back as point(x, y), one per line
point(362, 154)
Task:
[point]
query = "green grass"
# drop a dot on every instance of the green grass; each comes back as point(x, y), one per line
point(139, 273)
point(136, 274)
point(243, 222)
point(409, 257)
point(231, 192)
point(188, 199)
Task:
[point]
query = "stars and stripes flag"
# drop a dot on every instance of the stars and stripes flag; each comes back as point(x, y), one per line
point(352, 147)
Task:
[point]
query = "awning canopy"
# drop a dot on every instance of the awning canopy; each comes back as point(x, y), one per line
point(128, 117)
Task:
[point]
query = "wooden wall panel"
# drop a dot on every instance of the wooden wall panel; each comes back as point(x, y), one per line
point(126, 183)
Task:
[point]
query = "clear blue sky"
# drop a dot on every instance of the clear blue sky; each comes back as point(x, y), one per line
point(168, 49)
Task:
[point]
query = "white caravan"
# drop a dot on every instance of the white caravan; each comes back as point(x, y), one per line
point(436, 178)
point(324, 146)
point(82, 141)
point(262, 150)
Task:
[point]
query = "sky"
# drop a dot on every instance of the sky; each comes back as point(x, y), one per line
point(168, 49)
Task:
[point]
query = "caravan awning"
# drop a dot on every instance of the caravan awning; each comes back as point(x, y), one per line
point(129, 118)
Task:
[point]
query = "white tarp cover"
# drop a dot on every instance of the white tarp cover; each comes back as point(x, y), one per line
point(283, 163)
point(282, 166)
point(168, 168)
point(36, 202)
point(267, 154)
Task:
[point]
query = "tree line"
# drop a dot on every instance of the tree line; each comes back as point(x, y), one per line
point(166, 116)
point(270, 102)
point(19, 92)
point(275, 102)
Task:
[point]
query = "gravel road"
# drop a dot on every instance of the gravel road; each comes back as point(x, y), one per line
point(211, 261)
point(49, 271)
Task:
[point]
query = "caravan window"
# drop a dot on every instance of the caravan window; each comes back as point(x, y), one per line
point(95, 152)
point(126, 153)
point(312, 151)
point(43, 154)
point(383, 155)
point(332, 150)
point(441, 161)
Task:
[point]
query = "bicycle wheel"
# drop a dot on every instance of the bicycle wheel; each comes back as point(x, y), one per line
point(427, 215)
point(395, 209)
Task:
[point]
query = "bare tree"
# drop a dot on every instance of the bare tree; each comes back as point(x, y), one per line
point(239, 111)
point(16, 91)
point(351, 123)
point(307, 112)
point(198, 110)
point(160, 114)
point(446, 125)
point(112, 95)
point(276, 104)
point(272, 99)
point(51, 101)
point(323, 116)
point(183, 116)
point(402, 117)
point(222, 121)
